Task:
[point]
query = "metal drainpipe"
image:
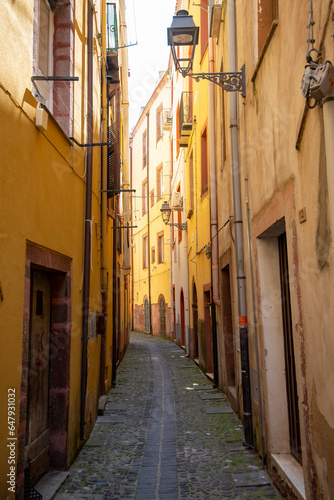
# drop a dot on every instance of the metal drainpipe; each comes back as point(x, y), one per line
point(114, 298)
point(148, 219)
point(213, 216)
point(186, 286)
point(88, 222)
point(238, 222)
point(131, 208)
point(252, 283)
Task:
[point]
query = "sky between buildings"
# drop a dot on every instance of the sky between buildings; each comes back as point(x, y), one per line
point(150, 55)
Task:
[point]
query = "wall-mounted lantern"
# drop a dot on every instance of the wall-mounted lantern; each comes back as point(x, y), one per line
point(165, 214)
point(184, 33)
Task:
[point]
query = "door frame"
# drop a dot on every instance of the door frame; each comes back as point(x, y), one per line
point(59, 268)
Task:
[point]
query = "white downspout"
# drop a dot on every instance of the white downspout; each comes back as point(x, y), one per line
point(238, 225)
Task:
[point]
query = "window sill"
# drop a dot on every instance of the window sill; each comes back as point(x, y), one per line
point(264, 48)
point(56, 124)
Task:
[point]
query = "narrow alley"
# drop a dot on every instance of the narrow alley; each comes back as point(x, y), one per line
point(166, 433)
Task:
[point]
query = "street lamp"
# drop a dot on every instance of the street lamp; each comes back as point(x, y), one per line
point(165, 214)
point(184, 33)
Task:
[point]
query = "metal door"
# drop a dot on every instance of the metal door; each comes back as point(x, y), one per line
point(37, 441)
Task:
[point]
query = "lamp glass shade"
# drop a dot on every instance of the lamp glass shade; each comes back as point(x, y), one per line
point(165, 212)
point(183, 30)
point(183, 33)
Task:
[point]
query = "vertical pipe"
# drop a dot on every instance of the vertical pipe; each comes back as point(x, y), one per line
point(252, 282)
point(186, 287)
point(131, 208)
point(104, 161)
point(88, 221)
point(213, 216)
point(114, 297)
point(239, 246)
point(148, 219)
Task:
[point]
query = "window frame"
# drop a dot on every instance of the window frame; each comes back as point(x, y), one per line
point(204, 161)
point(159, 124)
point(144, 197)
point(159, 181)
point(160, 245)
point(145, 251)
point(45, 88)
point(144, 148)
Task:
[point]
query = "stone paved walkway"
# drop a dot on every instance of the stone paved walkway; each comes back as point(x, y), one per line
point(166, 434)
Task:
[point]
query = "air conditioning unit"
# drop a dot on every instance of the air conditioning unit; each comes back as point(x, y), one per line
point(177, 201)
point(167, 119)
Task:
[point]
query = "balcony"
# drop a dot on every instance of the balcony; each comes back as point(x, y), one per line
point(112, 43)
point(185, 118)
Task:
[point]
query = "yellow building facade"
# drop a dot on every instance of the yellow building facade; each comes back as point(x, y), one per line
point(191, 171)
point(60, 337)
point(150, 178)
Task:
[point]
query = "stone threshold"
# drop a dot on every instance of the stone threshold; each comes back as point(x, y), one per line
point(51, 483)
point(292, 471)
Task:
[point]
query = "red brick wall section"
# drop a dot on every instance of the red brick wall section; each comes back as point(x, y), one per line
point(138, 322)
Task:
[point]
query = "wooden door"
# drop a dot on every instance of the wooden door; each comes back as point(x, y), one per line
point(37, 451)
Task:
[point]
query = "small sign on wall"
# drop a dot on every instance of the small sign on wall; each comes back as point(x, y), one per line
point(302, 215)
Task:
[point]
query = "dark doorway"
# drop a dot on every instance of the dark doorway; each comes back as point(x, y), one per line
point(183, 335)
point(228, 327)
point(174, 315)
point(290, 368)
point(208, 335)
point(195, 318)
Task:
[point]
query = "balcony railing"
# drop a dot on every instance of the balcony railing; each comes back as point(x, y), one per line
point(185, 118)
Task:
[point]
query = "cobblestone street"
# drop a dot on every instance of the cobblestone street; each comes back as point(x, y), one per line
point(166, 433)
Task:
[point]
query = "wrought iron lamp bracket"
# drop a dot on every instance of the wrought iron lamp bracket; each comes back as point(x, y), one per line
point(231, 82)
point(180, 225)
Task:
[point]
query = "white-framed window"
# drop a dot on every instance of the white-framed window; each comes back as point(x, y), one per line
point(53, 55)
point(160, 247)
point(160, 183)
point(44, 63)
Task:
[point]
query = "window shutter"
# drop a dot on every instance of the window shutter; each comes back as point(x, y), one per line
point(114, 163)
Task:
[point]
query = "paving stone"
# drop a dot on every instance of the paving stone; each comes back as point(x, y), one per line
point(235, 447)
point(259, 478)
point(110, 419)
point(212, 396)
point(217, 410)
point(116, 407)
point(95, 441)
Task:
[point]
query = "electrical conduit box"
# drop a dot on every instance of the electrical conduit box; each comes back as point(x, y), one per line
point(322, 81)
point(41, 120)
